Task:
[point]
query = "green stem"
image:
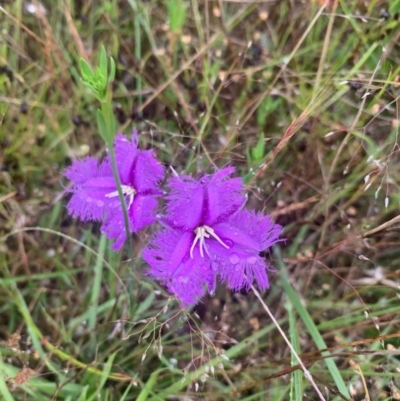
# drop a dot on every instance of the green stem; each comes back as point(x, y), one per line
point(106, 109)
point(121, 197)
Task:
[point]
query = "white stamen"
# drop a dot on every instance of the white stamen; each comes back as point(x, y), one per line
point(126, 190)
point(203, 232)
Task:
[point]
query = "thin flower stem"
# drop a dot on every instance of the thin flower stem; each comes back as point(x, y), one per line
point(307, 374)
point(122, 200)
point(109, 118)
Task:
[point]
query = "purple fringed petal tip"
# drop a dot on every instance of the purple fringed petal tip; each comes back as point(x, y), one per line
point(90, 180)
point(125, 155)
point(248, 234)
point(205, 201)
point(137, 168)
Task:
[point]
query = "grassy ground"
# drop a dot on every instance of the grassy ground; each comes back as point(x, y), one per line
point(303, 98)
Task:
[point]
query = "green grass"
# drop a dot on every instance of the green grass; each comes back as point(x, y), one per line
point(303, 100)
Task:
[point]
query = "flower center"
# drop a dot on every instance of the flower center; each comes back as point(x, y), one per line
point(202, 233)
point(127, 190)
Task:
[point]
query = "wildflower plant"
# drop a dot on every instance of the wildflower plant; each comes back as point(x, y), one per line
point(207, 234)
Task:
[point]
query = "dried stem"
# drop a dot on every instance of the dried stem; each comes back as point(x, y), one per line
point(307, 374)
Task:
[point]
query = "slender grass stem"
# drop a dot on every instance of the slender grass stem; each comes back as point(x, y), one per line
point(307, 373)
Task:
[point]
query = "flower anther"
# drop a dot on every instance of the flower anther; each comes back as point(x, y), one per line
point(203, 232)
point(127, 190)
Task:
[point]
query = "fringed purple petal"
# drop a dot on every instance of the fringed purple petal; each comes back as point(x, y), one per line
point(185, 202)
point(142, 211)
point(224, 195)
point(190, 283)
point(125, 156)
point(148, 172)
point(90, 167)
point(246, 233)
point(170, 262)
point(238, 267)
point(212, 198)
point(91, 181)
point(166, 251)
point(250, 230)
point(114, 228)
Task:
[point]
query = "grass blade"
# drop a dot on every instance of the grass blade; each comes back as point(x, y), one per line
point(3, 385)
point(148, 386)
point(104, 377)
point(310, 325)
point(98, 270)
point(296, 380)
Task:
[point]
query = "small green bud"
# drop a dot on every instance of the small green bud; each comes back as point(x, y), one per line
point(98, 81)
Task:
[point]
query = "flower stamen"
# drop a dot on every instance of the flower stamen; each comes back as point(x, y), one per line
point(127, 190)
point(202, 233)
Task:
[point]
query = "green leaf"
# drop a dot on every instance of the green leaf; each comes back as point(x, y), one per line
point(296, 377)
point(102, 71)
point(111, 76)
point(86, 70)
point(3, 385)
point(310, 325)
point(148, 386)
point(266, 108)
point(98, 274)
point(176, 15)
point(104, 377)
point(126, 392)
point(83, 396)
point(145, 305)
point(394, 6)
point(258, 151)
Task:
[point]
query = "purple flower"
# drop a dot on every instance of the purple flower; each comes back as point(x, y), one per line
point(207, 235)
point(95, 194)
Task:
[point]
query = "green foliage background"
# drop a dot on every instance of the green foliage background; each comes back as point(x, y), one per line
point(303, 99)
